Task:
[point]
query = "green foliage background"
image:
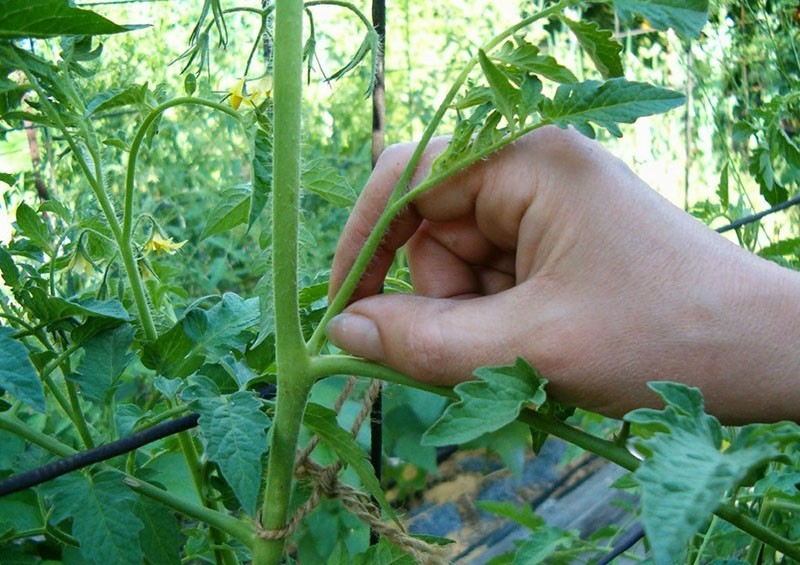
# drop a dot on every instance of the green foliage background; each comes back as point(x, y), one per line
point(730, 151)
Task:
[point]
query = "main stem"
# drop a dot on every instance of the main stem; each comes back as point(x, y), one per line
point(292, 361)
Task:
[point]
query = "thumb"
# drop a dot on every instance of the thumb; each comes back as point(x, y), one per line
point(435, 340)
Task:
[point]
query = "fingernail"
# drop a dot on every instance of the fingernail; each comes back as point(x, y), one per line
point(357, 335)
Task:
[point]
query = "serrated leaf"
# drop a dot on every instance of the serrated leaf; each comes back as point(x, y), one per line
point(8, 178)
point(223, 328)
point(327, 183)
point(31, 226)
point(20, 512)
point(540, 545)
point(262, 169)
point(105, 357)
point(487, 404)
point(526, 57)
point(51, 18)
point(167, 387)
point(505, 96)
point(607, 103)
point(160, 536)
point(523, 515)
point(8, 269)
point(233, 432)
point(173, 354)
point(116, 98)
point(17, 374)
point(723, 188)
point(322, 421)
point(103, 517)
point(687, 17)
point(50, 309)
point(233, 209)
point(686, 473)
point(789, 149)
point(599, 44)
point(370, 44)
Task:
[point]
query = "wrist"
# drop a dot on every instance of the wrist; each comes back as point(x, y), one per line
point(749, 368)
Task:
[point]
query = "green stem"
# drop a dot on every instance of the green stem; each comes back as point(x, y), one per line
point(125, 239)
point(289, 408)
point(218, 537)
point(36, 437)
point(77, 410)
point(371, 244)
point(348, 5)
point(327, 365)
point(730, 514)
point(217, 520)
point(291, 358)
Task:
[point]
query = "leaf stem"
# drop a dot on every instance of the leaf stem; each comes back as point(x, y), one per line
point(34, 436)
point(217, 520)
point(125, 237)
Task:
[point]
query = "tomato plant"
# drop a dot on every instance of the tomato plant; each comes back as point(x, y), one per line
point(98, 347)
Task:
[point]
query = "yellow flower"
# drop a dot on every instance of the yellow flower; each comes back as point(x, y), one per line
point(261, 91)
point(160, 245)
point(80, 265)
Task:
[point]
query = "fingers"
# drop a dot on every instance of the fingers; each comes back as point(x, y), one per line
point(434, 340)
point(463, 186)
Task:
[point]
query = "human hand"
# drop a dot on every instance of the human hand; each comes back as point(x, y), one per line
point(554, 250)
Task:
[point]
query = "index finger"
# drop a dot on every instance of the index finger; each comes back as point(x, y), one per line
point(370, 205)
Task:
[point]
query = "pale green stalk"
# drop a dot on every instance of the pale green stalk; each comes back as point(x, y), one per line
point(217, 520)
point(292, 360)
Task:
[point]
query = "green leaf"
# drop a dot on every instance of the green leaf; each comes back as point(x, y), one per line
point(541, 545)
point(526, 58)
point(607, 104)
point(233, 432)
point(8, 269)
point(327, 183)
point(505, 96)
point(487, 404)
point(223, 328)
point(686, 473)
point(8, 178)
point(116, 98)
point(105, 357)
point(20, 512)
point(53, 308)
point(33, 227)
point(686, 17)
point(523, 515)
point(322, 421)
point(598, 43)
point(370, 43)
point(173, 354)
point(17, 374)
point(160, 536)
point(784, 247)
point(51, 18)
point(103, 516)
point(232, 210)
point(723, 188)
point(262, 169)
